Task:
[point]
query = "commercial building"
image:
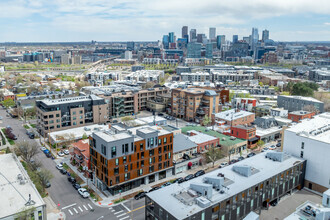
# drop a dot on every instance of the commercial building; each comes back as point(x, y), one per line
point(221, 40)
point(319, 75)
point(231, 192)
point(297, 103)
point(265, 35)
point(278, 112)
point(203, 141)
point(81, 156)
point(233, 117)
point(243, 103)
point(6, 94)
point(268, 129)
point(193, 35)
point(209, 50)
point(145, 75)
point(193, 104)
point(125, 159)
point(18, 193)
point(195, 77)
point(212, 33)
point(65, 113)
point(310, 140)
point(194, 50)
point(245, 132)
point(184, 33)
point(297, 116)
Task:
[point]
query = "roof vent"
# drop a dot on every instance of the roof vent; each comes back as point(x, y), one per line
point(275, 156)
point(202, 189)
point(216, 182)
point(244, 170)
point(203, 202)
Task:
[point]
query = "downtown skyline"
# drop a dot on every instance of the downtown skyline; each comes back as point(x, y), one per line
point(64, 21)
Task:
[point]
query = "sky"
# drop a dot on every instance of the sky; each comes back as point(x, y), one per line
point(149, 20)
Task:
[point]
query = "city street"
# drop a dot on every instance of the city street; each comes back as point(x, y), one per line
point(64, 195)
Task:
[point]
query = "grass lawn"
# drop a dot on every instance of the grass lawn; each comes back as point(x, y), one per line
point(11, 142)
point(26, 126)
point(33, 125)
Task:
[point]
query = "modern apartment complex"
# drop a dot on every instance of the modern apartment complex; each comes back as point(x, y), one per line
point(231, 192)
point(192, 104)
point(297, 103)
point(124, 159)
point(126, 100)
point(310, 140)
point(196, 77)
point(60, 114)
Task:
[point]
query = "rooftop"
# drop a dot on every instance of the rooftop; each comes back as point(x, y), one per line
point(261, 169)
point(299, 113)
point(182, 142)
point(200, 137)
point(15, 192)
point(301, 98)
point(305, 211)
point(317, 128)
point(71, 100)
point(224, 139)
point(232, 115)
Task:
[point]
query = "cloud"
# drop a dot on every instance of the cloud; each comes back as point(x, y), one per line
point(327, 23)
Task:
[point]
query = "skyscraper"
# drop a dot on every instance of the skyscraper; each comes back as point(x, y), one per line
point(171, 37)
point(212, 33)
point(193, 35)
point(209, 50)
point(184, 31)
point(265, 35)
point(165, 41)
point(255, 36)
point(194, 50)
point(235, 39)
point(220, 41)
point(200, 38)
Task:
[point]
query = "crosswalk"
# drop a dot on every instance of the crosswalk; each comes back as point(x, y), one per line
point(121, 214)
point(75, 209)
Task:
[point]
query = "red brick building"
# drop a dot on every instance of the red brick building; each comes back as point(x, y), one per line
point(81, 155)
point(202, 140)
point(297, 116)
point(245, 132)
point(234, 118)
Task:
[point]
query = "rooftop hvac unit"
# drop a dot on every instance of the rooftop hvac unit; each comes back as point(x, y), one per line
point(19, 177)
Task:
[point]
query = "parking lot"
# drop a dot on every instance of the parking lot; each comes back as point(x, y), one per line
point(288, 204)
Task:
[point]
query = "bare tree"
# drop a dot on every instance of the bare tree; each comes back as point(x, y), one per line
point(311, 108)
point(26, 150)
point(212, 155)
point(227, 151)
point(44, 176)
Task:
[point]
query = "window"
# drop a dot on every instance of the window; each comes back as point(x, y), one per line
point(159, 166)
point(58, 126)
point(80, 112)
point(117, 179)
point(58, 120)
point(142, 163)
point(171, 139)
point(103, 149)
point(129, 158)
point(73, 113)
point(126, 168)
point(141, 171)
point(81, 122)
point(152, 142)
point(124, 159)
point(132, 147)
point(169, 155)
point(137, 164)
point(141, 146)
point(160, 150)
point(81, 117)
point(151, 169)
point(51, 122)
point(302, 145)
point(74, 118)
point(113, 151)
point(142, 155)
point(117, 161)
point(159, 158)
point(57, 115)
point(116, 170)
point(302, 154)
point(151, 152)
point(159, 141)
point(74, 123)
point(165, 140)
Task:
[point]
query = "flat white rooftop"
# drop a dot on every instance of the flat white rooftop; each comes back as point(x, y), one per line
point(232, 115)
point(317, 128)
point(237, 183)
point(15, 195)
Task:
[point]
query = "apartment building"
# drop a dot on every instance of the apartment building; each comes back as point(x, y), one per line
point(196, 77)
point(244, 103)
point(233, 117)
point(297, 116)
point(310, 140)
point(192, 104)
point(66, 113)
point(297, 103)
point(231, 192)
point(126, 100)
point(125, 159)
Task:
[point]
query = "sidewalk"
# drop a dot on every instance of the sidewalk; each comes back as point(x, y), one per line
point(52, 212)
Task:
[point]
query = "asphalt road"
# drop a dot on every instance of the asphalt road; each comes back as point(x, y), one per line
point(65, 196)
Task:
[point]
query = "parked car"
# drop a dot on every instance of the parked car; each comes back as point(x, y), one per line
point(272, 147)
point(233, 161)
point(250, 155)
point(59, 166)
point(199, 173)
point(166, 184)
point(49, 155)
point(66, 152)
point(63, 171)
point(71, 179)
point(83, 192)
point(179, 180)
point(140, 195)
point(60, 154)
point(278, 144)
point(76, 186)
point(189, 177)
point(160, 114)
point(264, 149)
point(31, 135)
point(240, 158)
point(223, 164)
point(273, 203)
point(46, 151)
point(43, 148)
point(47, 185)
point(155, 188)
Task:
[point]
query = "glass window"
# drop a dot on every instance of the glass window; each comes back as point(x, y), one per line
point(117, 161)
point(73, 113)
point(165, 140)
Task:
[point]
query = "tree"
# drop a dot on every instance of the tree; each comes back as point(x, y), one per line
point(260, 143)
point(227, 151)
point(148, 85)
point(127, 118)
point(311, 108)
point(206, 120)
point(212, 155)
point(84, 136)
point(26, 150)
point(45, 176)
point(26, 213)
point(8, 103)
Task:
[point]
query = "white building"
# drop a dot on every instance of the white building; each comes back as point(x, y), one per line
point(278, 112)
point(18, 193)
point(195, 77)
point(128, 55)
point(310, 140)
point(145, 75)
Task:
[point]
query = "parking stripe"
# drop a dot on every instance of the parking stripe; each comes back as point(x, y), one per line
point(120, 215)
point(124, 218)
point(75, 210)
point(118, 212)
point(113, 210)
point(85, 207)
point(90, 206)
point(70, 212)
point(80, 208)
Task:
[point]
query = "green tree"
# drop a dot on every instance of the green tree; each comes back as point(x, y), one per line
point(212, 155)
point(127, 118)
point(8, 103)
point(26, 213)
point(260, 143)
point(206, 120)
point(84, 136)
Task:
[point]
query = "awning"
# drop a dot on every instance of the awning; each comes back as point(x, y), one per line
point(253, 139)
point(189, 164)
